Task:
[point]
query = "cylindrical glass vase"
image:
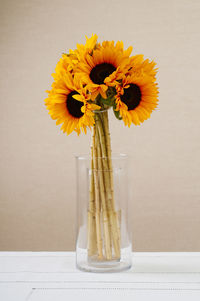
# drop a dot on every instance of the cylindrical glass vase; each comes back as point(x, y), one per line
point(103, 217)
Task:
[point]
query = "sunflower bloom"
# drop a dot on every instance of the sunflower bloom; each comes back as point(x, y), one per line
point(141, 67)
point(137, 97)
point(90, 44)
point(100, 69)
point(68, 104)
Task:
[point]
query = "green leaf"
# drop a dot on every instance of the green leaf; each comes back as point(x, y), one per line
point(108, 101)
point(117, 114)
point(111, 92)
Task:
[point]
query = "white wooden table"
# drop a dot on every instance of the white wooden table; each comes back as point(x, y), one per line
point(48, 276)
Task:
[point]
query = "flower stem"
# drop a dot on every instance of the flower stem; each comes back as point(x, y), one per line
point(92, 241)
point(102, 202)
point(97, 199)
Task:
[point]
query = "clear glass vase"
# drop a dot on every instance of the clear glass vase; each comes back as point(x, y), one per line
point(103, 231)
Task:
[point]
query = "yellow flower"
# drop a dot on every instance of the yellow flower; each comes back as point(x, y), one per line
point(100, 69)
point(90, 44)
point(84, 73)
point(68, 104)
point(68, 61)
point(139, 66)
point(136, 98)
point(64, 65)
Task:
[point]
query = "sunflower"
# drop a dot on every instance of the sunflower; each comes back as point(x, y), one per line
point(136, 98)
point(65, 65)
point(69, 60)
point(139, 66)
point(101, 68)
point(68, 103)
point(90, 44)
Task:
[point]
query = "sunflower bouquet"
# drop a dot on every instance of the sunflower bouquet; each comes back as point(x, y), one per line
point(87, 82)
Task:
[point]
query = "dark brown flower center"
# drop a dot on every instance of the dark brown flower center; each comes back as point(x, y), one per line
point(100, 72)
point(132, 96)
point(73, 105)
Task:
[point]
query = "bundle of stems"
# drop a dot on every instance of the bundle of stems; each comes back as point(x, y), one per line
point(103, 222)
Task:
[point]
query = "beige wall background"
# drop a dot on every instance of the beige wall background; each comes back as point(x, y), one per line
point(37, 165)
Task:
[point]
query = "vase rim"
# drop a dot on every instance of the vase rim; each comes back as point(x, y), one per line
point(115, 156)
point(100, 111)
